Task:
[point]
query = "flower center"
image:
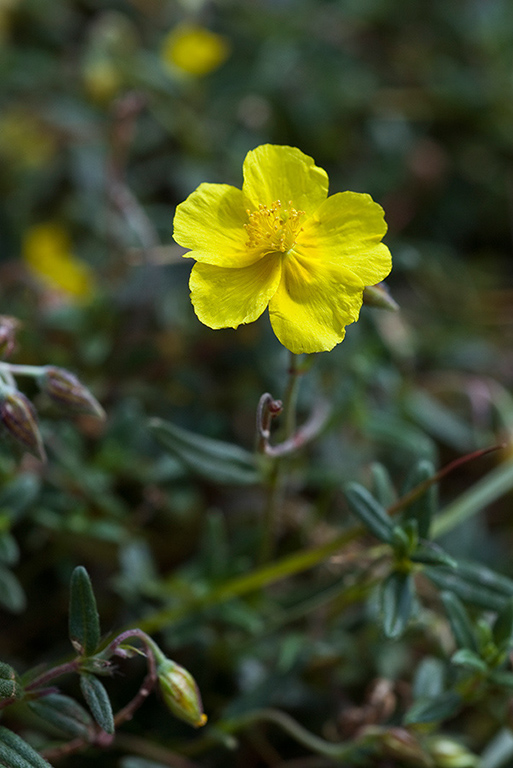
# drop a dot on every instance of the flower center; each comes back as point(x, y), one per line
point(271, 228)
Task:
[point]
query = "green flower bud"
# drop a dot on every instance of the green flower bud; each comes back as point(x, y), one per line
point(67, 391)
point(181, 693)
point(450, 754)
point(378, 296)
point(19, 418)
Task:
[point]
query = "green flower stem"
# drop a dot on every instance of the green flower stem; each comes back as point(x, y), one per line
point(21, 370)
point(491, 487)
point(275, 486)
point(251, 582)
point(334, 751)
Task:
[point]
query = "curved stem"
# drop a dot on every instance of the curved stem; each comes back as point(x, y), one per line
point(276, 476)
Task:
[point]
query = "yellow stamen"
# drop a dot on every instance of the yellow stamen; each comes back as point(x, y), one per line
point(271, 229)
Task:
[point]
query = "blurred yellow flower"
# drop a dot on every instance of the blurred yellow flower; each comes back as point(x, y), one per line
point(282, 243)
point(47, 251)
point(194, 50)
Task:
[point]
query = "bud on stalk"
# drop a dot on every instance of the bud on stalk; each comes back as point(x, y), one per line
point(68, 392)
point(19, 418)
point(180, 692)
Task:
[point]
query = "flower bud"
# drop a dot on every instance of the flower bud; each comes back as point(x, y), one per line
point(19, 418)
point(66, 390)
point(450, 754)
point(181, 693)
point(378, 296)
point(401, 744)
point(8, 328)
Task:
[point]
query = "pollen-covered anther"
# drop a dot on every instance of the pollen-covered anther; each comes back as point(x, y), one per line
point(271, 229)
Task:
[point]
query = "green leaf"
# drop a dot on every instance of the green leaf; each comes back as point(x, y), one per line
point(64, 713)
point(10, 687)
point(480, 575)
point(369, 511)
point(16, 753)
point(397, 602)
point(433, 710)
point(19, 495)
point(382, 485)
point(461, 625)
point(503, 627)
point(98, 701)
point(9, 551)
point(468, 659)
point(425, 506)
point(453, 581)
point(501, 677)
point(213, 460)
point(432, 554)
point(12, 596)
point(429, 678)
point(84, 623)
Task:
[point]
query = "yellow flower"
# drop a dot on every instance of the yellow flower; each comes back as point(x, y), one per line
point(48, 254)
point(194, 50)
point(282, 243)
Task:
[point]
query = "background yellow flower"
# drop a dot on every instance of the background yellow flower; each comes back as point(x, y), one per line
point(281, 242)
point(194, 50)
point(47, 251)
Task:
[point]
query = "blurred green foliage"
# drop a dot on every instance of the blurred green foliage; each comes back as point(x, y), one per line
point(100, 137)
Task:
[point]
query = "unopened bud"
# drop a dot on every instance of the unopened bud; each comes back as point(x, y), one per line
point(379, 297)
point(401, 744)
point(181, 693)
point(8, 328)
point(450, 754)
point(19, 418)
point(68, 392)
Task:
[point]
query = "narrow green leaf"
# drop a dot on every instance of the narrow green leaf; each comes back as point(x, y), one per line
point(84, 623)
point(397, 602)
point(382, 485)
point(434, 710)
point(64, 713)
point(213, 460)
point(451, 580)
point(475, 573)
point(9, 551)
point(369, 511)
point(429, 678)
point(501, 677)
point(15, 752)
point(431, 554)
point(503, 627)
point(460, 622)
point(12, 596)
point(470, 660)
point(425, 506)
point(98, 701)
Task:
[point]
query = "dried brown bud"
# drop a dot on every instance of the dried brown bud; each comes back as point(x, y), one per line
point(19, 418)
point(68, 392)
point(8, 328)
point(378, 296)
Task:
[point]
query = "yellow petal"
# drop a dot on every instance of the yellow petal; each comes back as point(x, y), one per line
point(313, 304)
point(347, 229)
point(225, 298)
point(274, 173)
point(211, 222)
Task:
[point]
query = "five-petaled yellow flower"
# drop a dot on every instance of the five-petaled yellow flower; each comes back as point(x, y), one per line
point(282, 243)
